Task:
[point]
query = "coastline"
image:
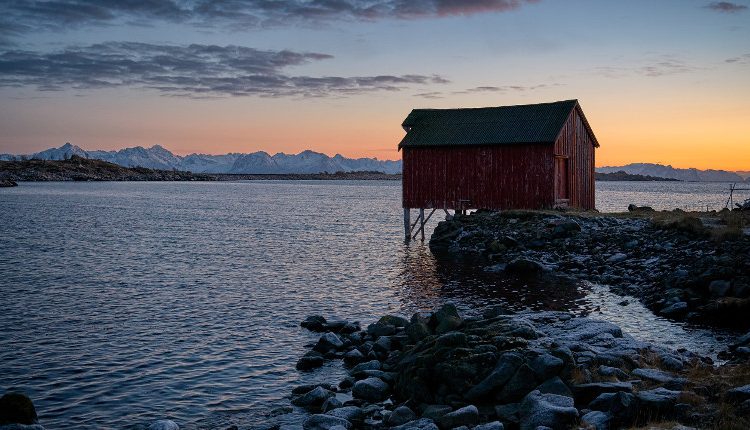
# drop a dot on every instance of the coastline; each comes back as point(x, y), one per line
point(526, 370)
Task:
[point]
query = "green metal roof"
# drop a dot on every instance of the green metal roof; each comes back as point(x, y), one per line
point(537, 123)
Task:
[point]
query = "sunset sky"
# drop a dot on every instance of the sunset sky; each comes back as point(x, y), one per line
point(663, 81)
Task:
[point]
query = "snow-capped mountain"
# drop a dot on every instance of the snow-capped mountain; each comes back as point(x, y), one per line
point(158, 157)
point(62, 153)
point(661, 171)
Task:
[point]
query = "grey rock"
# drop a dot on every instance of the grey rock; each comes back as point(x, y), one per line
point(401, 415)
point(349, 413)
point(310, 360)
point(494, 425)
point(451, 339)
point(508, 413)
point(675, 309)
point(328, 342)
point(612, 372)
point(371, 390)
point(466, 416)
point(382, 344)
point(719, 288)
point(417, 331)
point(325, 422)
point(394, 320)
point(377, 329)
point(620, 406)
point(616, 258)
point(659, 376)
point(596, 420)
point(313, 399)
point(546, 366)
point(526, 267)
point(551, 410)
point(302, 389)
point(520, 384)
point(659, 401)
point(352, 357)
point(330, 404)
point(164, 425)
point(313, 323)
point(585, 393)
point(420, 424)
point(17, 408)
point(554, 385)
point(446, 319)
point(434, 412)
point(739, 394)
point(368, 365)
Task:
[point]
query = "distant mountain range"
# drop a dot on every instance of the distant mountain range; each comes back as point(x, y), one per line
point(661, 171)
point(157, 157)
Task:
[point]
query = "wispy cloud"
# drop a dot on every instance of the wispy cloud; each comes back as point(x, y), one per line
point(486, 89)
point(18, 17)
point(504, 89)
point(726, 7)
point(656, 67)
point(740, 59)
point(192, 71)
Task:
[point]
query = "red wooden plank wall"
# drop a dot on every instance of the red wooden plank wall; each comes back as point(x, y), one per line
point(575, 143)
point(490, 177)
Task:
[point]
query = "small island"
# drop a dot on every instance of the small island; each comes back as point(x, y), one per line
point(77, 168)
point(623, 176)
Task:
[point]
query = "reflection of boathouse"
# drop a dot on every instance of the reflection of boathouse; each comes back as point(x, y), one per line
point(537, 156)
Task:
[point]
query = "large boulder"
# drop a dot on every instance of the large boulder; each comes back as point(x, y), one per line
point(328, 342)
point(549, 410)
point(311, 360)
point(371, 390)
point(349, 413)
point(401, 415)
point(313, 323)
point(420, 424)
point(313, 399)
point(546, 366)
point(446, 319)
point(466, 416)
point(164, 425)
point(325, 422)
point(526, 267)
point(17, 408)
point(505, 369)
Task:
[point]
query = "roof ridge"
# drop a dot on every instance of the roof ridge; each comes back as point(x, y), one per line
point(497, 107)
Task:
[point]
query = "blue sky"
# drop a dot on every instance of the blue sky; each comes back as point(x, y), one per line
point(664, 81)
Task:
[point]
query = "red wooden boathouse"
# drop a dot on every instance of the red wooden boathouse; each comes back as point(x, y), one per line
point(536, 156)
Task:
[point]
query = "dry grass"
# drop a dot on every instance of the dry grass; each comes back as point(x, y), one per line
point(659, 425)
point(578, 376)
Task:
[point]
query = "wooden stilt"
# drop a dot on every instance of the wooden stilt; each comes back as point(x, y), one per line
point(407, 225)
point(421, 222)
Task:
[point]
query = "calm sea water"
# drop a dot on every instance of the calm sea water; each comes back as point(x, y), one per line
point(127, 302)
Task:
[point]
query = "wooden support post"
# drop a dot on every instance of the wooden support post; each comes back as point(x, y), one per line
point(407, 225)
point(421, 222)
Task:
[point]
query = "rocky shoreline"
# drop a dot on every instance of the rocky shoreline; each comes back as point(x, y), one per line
point(684, 266)
point(529, 370)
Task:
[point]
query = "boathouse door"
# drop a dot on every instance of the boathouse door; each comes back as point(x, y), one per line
point(562, 181)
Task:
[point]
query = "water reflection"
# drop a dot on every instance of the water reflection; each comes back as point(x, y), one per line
point(426, 281)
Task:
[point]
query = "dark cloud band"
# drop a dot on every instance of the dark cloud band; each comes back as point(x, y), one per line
point(726, 7)
point(18, 17)
point(193, 71)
